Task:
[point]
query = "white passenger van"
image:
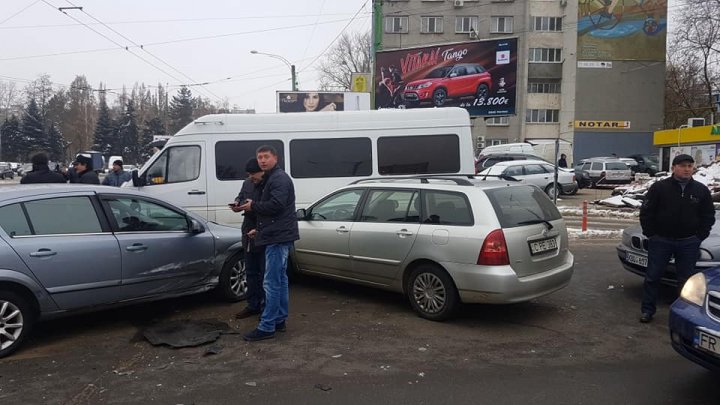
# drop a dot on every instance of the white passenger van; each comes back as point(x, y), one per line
point(202, 167)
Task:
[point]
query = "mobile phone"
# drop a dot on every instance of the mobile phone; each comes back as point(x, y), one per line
point(232, 204)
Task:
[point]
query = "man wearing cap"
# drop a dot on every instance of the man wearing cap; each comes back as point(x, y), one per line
point(254, 255)
point(84, 170)
point(676, 216)
point(117, 176)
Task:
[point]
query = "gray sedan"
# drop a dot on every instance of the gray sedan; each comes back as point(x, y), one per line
point(65, 248)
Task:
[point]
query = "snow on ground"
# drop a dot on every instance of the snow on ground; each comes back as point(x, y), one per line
point(593, 212)
point(576, 233)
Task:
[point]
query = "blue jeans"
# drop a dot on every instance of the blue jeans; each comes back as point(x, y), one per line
point(254, 272)
point(686, 252)
point(276, 286)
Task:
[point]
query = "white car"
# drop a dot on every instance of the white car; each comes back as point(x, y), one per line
point(536, 172)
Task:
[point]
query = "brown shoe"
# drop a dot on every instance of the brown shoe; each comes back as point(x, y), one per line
point(246, 313)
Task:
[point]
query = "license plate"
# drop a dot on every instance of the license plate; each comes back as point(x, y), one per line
point(636, 259)
point(707, 342)
point(541, 246)
point(615, 175)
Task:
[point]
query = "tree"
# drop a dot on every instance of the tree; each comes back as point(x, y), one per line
point(79, 125)
point(9, 139)
point(153, 127)
point(41, 91)
point(8, 97)
point(56, 144)
point(351, 54)
point(32, 133)
point(127, 133)
point(181, 110)
point(105, 140)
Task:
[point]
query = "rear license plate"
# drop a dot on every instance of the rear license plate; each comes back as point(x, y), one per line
point(636, 259)
point(542, 246)
point(616, 175)
point(707, 341)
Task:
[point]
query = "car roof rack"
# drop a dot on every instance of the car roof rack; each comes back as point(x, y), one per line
point(459, 179)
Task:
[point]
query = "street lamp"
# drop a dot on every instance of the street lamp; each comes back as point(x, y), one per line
point(290, 65)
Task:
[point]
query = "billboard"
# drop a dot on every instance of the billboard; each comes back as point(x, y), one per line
point(314, 101)
point(622, 29)
point(479, 76)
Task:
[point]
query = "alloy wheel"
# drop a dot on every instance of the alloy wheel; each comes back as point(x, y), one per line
point(238, 281)
point(429, 293)
point(11, 324)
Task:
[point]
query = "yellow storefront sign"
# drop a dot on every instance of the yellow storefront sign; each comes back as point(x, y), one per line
point(360, 82)
point(593, 124)
point(705, 133)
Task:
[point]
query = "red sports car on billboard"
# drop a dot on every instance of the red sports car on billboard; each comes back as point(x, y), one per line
point(461, 80)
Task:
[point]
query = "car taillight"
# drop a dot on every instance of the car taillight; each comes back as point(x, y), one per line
point(494, 250)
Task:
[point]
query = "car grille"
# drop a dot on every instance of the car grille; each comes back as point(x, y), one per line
point(713, 305)
point(411, 96)
point(639, 243)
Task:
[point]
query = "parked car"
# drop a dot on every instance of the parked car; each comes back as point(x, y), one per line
point(461, 80)
point(695, 320)
point(632, 164)
point(517, 147)
point(24, 169)
point(68, 248)
point(649, 164)
point(632, 252)
point(6, 172)
point(536, 172)
point(582, 177)
point(441, 241)
point(487, 160)
point(604, 171)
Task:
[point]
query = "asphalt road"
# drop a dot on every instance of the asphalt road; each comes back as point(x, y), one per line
point(354, 345)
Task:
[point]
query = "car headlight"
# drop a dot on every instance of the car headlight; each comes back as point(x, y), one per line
point(626, 239)
point(694, 289)
point(424, 85)
point(705, 255)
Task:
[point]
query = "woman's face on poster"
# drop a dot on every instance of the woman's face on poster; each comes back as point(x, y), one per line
point(311, 101)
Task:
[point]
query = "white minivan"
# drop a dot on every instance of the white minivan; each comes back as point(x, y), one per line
point(202, 167)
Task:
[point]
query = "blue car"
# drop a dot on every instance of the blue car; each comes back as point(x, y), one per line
point(695, 320)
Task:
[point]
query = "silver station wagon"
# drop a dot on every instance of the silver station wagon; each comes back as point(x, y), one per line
point(441, 241)
point(66, 248)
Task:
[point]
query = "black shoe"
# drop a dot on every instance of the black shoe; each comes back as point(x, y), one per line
point(246, 313)
point(280, 327)
point(258, 334)
point(645, 317)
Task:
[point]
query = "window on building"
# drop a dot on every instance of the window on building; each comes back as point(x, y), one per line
point(397, 25)
point(502, 25)
point(542, 115)
point(545, 55)
point(466, 24)
point(431, 25)
point(497, 121)
point(543, 86)
point(552, 24)
point(493, 142)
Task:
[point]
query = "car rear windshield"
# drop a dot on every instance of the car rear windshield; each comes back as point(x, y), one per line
point(615, 166)
point(519, 205)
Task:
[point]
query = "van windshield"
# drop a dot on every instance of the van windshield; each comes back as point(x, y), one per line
point(519, 205)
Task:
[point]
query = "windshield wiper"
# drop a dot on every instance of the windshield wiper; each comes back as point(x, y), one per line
point(537, 221)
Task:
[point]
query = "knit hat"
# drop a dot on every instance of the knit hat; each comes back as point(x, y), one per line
point(252, 166)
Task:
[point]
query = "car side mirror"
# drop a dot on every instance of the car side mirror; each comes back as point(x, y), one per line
point(301, 214)
point(196, 227)
point(137, 180)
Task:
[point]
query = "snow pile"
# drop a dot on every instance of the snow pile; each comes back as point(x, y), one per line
point(577, 233)
point(593, 212)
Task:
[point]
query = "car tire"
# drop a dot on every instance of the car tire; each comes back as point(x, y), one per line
point(552, 190)
point(10, 302)
point(575, 189)
point(439, 97)
point(482, 92)
point(232, 286)
point(432, 292)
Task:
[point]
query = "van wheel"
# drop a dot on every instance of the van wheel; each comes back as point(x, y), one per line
point(482, 92)
point(432, 293)
point(552, 189)
point(439, 97)
point(233, 283)
point(16, 319)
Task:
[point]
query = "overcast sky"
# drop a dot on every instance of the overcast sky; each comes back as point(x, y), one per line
point(183, 41)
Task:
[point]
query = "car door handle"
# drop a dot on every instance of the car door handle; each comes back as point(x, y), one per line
point(136, 247)
point(43, 253)
point(196, 192)
point(403, 233)
point(342, 229)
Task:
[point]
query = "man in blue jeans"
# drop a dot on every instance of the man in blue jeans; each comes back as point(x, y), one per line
point(277, 229)
point(677, 215)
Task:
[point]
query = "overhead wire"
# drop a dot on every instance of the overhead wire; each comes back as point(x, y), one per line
point(19, 12)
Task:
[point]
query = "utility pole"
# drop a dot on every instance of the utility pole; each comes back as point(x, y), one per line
point(377, 39)
point(293, 77)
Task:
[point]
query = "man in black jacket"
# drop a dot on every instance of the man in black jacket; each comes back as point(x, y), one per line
point(84, 172)
point(41, 172)
point(277, 229)
point(254, 255)
point(677, 215)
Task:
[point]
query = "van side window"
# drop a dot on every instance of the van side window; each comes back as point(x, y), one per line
point(231, 156)
point(175, 165)
point(418, 154)
point(336, 157)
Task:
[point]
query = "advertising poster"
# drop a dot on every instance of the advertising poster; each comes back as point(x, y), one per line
point(703, 154)
point(680, 150)
point(312, 101)
point(622, 29)
point(479, 76)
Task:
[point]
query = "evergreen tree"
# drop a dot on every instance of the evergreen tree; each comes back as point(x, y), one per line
point(105, 140)
point(152, 127)
point(181, 110)
point(128, 133)
point(56, 144)
point(33, 136)
point(9, 136)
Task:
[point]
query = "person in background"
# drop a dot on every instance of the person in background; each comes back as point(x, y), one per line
point(41, 172)
point(254, 255)
point(676, 216)
point(562, 162)
point(84, 172)
point(117, 176)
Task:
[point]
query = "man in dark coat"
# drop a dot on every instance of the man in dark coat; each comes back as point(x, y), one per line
point(41, 172)
point(84, 172)
point(677, 215)
point(277, 230)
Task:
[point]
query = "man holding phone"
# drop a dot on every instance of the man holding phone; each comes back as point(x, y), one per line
point(254, 255)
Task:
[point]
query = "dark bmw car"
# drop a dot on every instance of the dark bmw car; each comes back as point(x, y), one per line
point(695, 320)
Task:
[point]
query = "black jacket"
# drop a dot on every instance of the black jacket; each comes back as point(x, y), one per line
point(673, 213)
point(277, 221)
point(42, 174)
point(252, 191)
point(86, 177)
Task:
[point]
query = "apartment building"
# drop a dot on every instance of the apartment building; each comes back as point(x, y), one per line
point(603, 98)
